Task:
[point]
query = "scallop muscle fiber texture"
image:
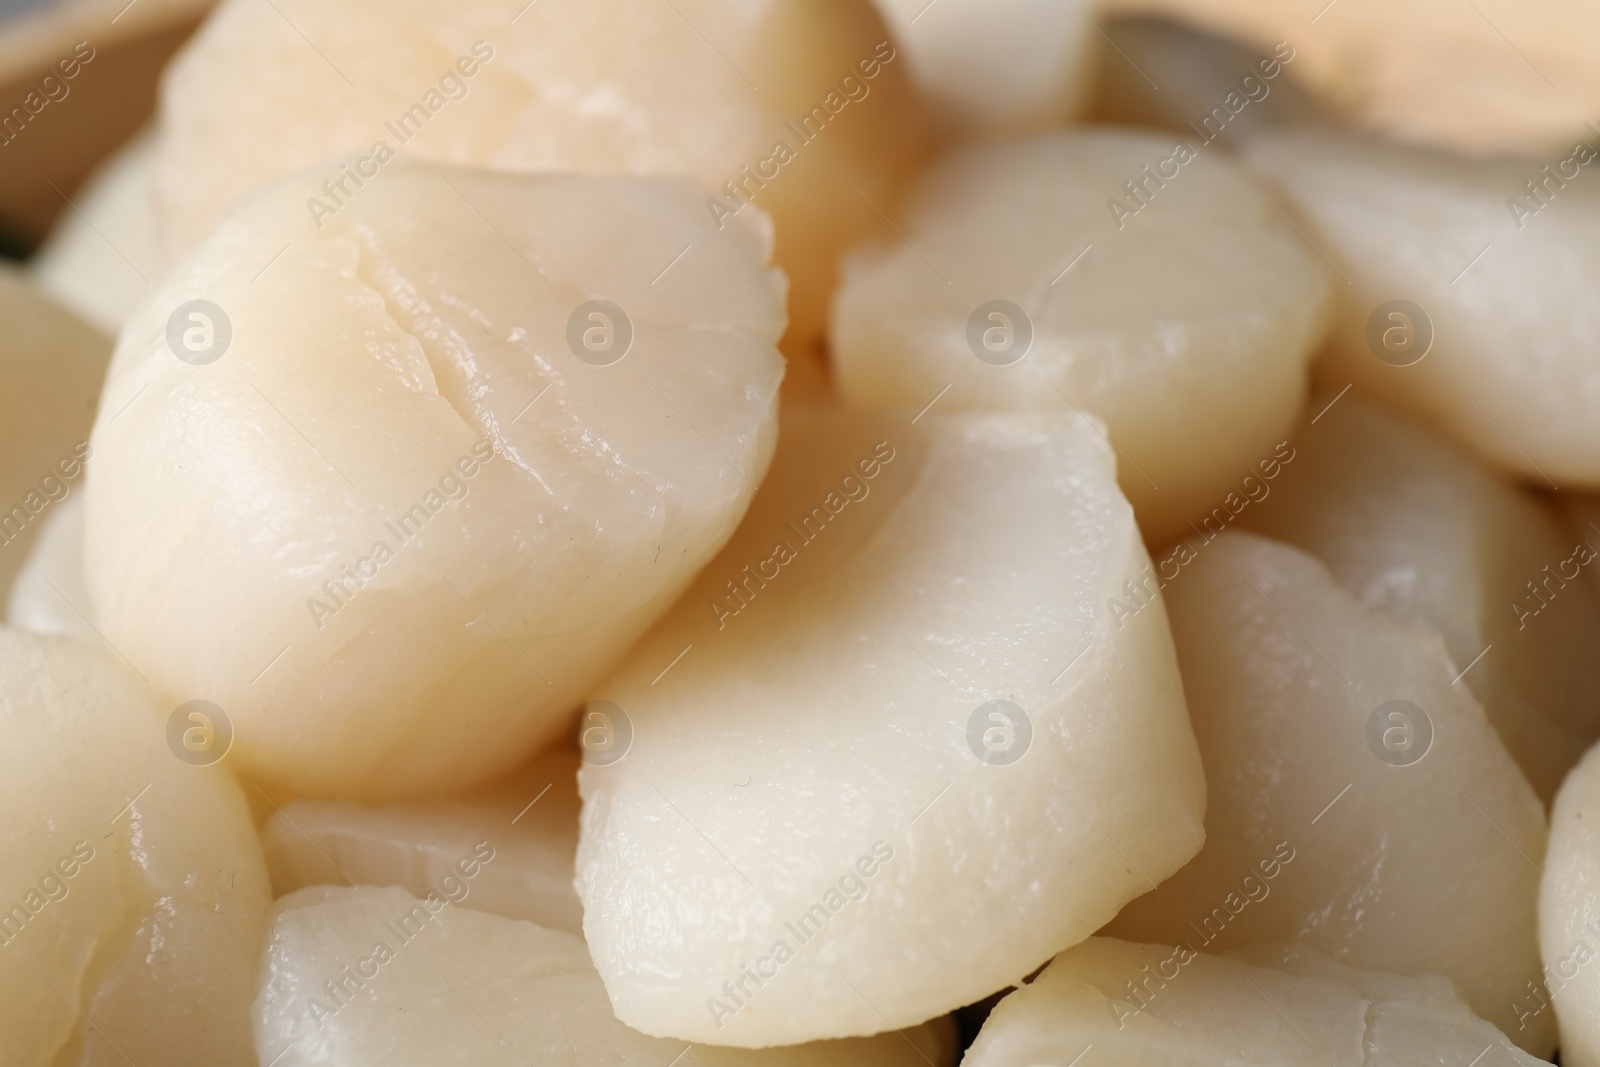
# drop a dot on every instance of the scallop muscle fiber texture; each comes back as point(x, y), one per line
point(458, 451)
point(800, 107)
point(893, 749)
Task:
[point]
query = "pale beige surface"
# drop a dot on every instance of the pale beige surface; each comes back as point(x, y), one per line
point(155, 934)
point(989, 67)
point(699, 88)
point(1491, 75)
point(1425, 533)
point(49, 595)
point(1513, 374)
point(373, 364)
point(51, 364)
point(1310, 835)
point(462, 987)
point(102, 256)
point(812, 754)
point(1271, 1006)
point(1186, 326)
point(1569, 916)
point(529, 820)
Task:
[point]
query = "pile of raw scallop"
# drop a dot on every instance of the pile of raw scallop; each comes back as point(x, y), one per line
point(812, 532)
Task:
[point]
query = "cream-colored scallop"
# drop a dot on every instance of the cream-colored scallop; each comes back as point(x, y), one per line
point(991, 67)
point(403, 486)
point(891, 751)
point(707, 89)
point(1267, 1006)
point(1183, 317)
point(1569, 919)
point(1359, 799)
point(51, 366)
point(1501, 357)
point(103, 256)
point(1421, 531)
point(528, 821)
point(133, 897)
point(49, 596)
point(1490, 76)
point(379, 978)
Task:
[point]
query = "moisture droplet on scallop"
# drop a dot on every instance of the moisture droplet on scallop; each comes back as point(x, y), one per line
point(529, 820)
point(1358, 800)
point(698, 88)
point(1186, 326)
point(1569, 919)
point(132, 896)
point(995, 66)
point(1423, 532)
point(1495, 336)
point(400, 489)
point(892, 750)
point(1268, 1006)
point(103, 255)
point(51, 366)
point(378, 978)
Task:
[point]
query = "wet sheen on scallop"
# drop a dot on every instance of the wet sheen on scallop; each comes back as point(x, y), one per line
point(892, 750)
point(1359, 800)
point(1112, 272)
point(133, 896)
point(437, 462)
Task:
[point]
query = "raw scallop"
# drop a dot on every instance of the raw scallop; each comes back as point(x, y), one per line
point(338, 502)
point(1270, 1006)
point(528, 821)
point(378, 978)
point(1464, 296)
point(1422, 532)
point(892, 750)
point(133, 897)
point(1360, 800)
point(705, 89)
point(1035, 276)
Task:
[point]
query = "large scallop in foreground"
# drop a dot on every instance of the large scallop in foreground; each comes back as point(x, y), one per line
point(396, 490)
point(893, 750)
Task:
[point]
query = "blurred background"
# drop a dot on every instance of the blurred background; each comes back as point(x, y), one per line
point(1489, 76)
point(110, 98)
